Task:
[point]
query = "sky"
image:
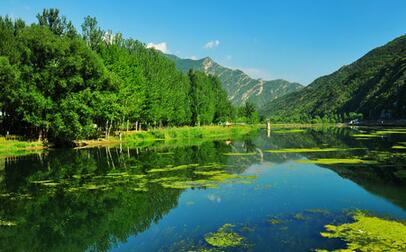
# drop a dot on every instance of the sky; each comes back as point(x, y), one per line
point(294, 40)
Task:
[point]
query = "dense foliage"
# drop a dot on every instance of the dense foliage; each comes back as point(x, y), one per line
point(61, 85)
point(374, 86)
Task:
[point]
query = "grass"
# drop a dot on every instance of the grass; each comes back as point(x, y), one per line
point(15, 147)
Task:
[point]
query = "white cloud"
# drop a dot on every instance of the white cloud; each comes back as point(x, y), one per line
point(193, 57)
point(163, 47)
point(212, 44)
point(229, 57)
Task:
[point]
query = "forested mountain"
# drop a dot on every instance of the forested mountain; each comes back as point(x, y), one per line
point(374, 86)
point(240, 87)
point(61, 85)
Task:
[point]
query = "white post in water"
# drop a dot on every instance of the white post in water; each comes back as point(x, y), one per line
point(268, 128)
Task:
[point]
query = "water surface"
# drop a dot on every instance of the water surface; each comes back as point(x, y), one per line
point(170, 196)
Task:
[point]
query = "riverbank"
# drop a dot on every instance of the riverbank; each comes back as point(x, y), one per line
point(14, 147)
point(172, 134)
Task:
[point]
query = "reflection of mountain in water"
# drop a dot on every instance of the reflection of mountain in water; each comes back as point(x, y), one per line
point(386, 178)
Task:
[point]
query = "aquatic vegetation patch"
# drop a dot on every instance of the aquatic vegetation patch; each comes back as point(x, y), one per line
point(390, 131)
point(175, 168)
point(224, 237)
point(304, 150)
point(365, 135)
point(239, 153)
point(208, 173)
point(379, 133)
point(274, 221)
point(369, 233)
point(329, 161)
point(209, 182)
point(399, 147)
point(189, 184)
point(299, 216)
point(210, 179)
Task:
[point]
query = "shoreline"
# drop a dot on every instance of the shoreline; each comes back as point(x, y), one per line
point(170, 134)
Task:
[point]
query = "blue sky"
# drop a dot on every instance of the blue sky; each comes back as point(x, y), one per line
point(295, 40)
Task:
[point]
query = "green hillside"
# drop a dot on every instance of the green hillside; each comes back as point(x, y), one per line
point(239, 86)
point(374, 85)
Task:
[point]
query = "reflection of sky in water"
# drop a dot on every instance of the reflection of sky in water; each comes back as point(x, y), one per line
point(279, 190)
point(161, 218)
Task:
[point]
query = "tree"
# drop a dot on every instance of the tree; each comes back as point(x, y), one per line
point(56, 23)
point(91, 33)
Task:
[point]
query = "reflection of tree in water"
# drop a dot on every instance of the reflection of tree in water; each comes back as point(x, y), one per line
point(60, 219)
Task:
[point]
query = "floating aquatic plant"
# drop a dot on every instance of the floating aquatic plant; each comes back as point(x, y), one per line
point(369, 233)
point(273, 221)
point(365, 135)
point(327, 161)
point(208, 173)
point(176, 168)
point(316, 149)
point(224, 237)
point(299, 216)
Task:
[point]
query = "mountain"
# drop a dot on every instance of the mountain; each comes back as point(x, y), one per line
point(374, 85)
point(239, 86)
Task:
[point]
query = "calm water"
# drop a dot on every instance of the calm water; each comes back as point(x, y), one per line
point(168, 197)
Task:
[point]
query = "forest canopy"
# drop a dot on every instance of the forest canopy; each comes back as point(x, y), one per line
point(62, 85)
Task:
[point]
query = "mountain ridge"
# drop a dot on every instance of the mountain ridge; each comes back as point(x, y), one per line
point(240, 86)
point(373, 85)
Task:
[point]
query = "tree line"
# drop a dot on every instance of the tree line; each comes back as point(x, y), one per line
point(62, 85)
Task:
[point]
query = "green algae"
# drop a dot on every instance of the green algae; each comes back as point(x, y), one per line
point(316, 149)
point(212, 180)
point(208, 173)
point(224, 237)
point(189, 184)
point(299, 216)
point(399, 147)
point(239, 153)
point(274, 221)
point(369, 233)
point(379, 133)
point(390, 131)
point(329, 161)
point(364, 135)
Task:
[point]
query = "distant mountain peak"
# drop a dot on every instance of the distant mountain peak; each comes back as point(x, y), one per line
point(239, 86)
point(374, 85)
